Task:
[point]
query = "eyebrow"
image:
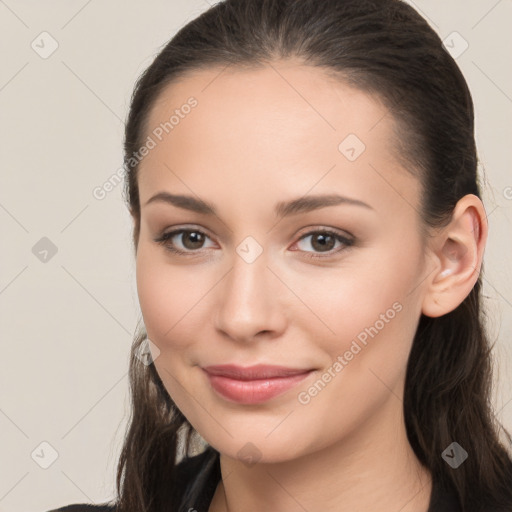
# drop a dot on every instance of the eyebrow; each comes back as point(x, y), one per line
point(282, 209)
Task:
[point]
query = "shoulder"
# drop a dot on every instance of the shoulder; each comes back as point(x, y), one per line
point(197, 478)
point(189, 471)
point(189, 466)
point(82, 507)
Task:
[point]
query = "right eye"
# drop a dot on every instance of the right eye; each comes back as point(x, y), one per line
point(191, 243)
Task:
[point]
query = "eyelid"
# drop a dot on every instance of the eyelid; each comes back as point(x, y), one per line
point(308, 230)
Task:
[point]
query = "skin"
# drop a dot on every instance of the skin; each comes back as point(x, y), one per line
point(258, 137)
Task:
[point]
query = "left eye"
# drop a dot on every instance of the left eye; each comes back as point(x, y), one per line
point(322, 241)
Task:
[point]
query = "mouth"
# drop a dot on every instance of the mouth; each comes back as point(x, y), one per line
point(256, 372)
point(255, 384)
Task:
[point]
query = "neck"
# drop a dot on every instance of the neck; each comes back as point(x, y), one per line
point(373, 468)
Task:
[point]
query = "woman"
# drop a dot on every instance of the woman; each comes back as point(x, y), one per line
point(309, 239)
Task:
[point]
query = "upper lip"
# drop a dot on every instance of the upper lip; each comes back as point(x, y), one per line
point(259, 371)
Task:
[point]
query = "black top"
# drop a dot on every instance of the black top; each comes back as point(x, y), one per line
point(202, 474)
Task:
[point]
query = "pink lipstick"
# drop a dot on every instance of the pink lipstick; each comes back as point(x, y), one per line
point(253, 384)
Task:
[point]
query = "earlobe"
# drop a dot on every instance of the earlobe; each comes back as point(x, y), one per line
point(459, 254)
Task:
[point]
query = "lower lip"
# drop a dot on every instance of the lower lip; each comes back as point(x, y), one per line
point(253, 391)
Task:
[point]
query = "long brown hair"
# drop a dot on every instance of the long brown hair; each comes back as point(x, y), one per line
point(384, 48)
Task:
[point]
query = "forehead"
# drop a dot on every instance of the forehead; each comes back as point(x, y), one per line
point(284, 124)
point(270, 98)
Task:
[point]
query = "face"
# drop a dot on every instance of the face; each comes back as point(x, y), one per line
point(329, 287)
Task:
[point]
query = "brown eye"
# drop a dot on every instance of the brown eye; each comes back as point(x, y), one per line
point(183, 241)
point(192, 239)
point(323, 241)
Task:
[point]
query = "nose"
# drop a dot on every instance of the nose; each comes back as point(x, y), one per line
point(248, 302)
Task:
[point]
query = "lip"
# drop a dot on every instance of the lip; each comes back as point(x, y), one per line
point(253, 384)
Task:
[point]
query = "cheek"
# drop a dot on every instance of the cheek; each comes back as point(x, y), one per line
point(162, 297)
point(371, 311)
point(354, 302)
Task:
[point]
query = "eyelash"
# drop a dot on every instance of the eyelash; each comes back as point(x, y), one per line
point(165, 237)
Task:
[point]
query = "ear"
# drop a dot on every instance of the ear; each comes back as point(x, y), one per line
point(458, 255)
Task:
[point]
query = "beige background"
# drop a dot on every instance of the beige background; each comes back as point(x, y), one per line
point(67, 323)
